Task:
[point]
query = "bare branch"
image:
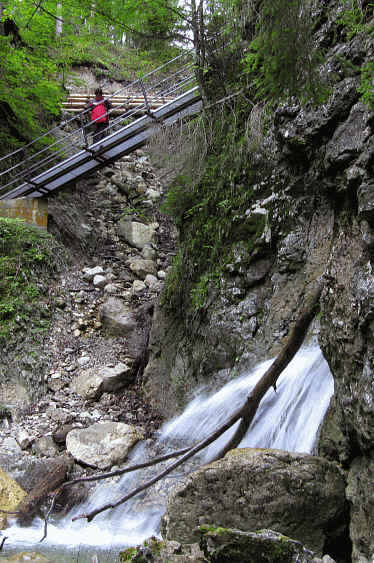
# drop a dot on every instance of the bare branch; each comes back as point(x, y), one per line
point(191, 452)
point(246, 413)
point(270, 377)
point(102, 476)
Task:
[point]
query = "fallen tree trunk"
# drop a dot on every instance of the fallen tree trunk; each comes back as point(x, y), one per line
point(29, 506)
point(270, 377)
point(246, 413)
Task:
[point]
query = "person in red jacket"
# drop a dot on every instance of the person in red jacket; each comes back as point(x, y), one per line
point(99, 115)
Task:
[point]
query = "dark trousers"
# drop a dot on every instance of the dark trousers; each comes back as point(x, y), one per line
point(99, 131)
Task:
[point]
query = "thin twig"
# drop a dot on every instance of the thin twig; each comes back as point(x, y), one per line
point(191, 452)
point(107, 476)
point(48, 515)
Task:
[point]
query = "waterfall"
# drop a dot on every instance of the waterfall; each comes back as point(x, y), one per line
point(286, 419)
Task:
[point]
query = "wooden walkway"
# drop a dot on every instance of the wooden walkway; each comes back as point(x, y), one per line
point(76, 103)
point(111, 148)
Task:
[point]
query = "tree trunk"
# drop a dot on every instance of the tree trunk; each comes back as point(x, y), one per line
point(197, 19)
point(1, 17)
point(30, 505)
point(59, 20)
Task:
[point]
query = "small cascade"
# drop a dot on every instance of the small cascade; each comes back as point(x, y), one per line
point(288, 419)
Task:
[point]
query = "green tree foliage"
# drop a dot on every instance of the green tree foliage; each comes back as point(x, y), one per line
point(282, 59)
point(47, 37)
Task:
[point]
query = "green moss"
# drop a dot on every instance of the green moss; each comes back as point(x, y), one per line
point(209, 209)
point(128, 554)
point(216, 529)
point(141, 554)
point(28, 258)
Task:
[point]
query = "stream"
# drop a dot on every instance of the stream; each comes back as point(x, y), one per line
point(288, 419)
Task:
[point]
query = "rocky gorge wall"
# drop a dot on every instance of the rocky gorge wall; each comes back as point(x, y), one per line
point(314, 192)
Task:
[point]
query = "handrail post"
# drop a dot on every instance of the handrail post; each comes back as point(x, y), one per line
point(149, 112)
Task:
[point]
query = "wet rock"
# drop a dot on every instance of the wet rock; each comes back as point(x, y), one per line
point(263, 546)
point(103, 444)
point(360, 493)
point(349, 137)
point(117, 317)
point(366, 202)
point(136, 234)
point(156, 551)
point(298, 495)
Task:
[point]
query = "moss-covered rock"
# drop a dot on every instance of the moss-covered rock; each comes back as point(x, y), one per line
point(11, 495)
point(299, 495)
point(223, 545)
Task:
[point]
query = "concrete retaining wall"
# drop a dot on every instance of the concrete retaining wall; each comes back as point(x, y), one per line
point(33, 211)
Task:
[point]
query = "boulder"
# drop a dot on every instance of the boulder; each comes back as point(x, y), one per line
point(148, 253)
point(221, 545)
point(23, 438)
point(117, 317)
point(103, 444)
point(11, 446)
point(92, 384)
point(136, 234)
point(141, 268)
point(299, 495)
point(138, 286)
point(11, 495)
point(45, 446)
point(116, 377)
point(152, 282)
point(90, 273)
point(88, 385)
point(100, 281)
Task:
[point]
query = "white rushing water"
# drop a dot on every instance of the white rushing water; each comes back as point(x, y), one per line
point(288, 419)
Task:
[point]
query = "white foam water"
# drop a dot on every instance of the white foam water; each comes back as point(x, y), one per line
point(287, 419)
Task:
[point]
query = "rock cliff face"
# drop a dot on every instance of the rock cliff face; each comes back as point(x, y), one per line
point(316, 193)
